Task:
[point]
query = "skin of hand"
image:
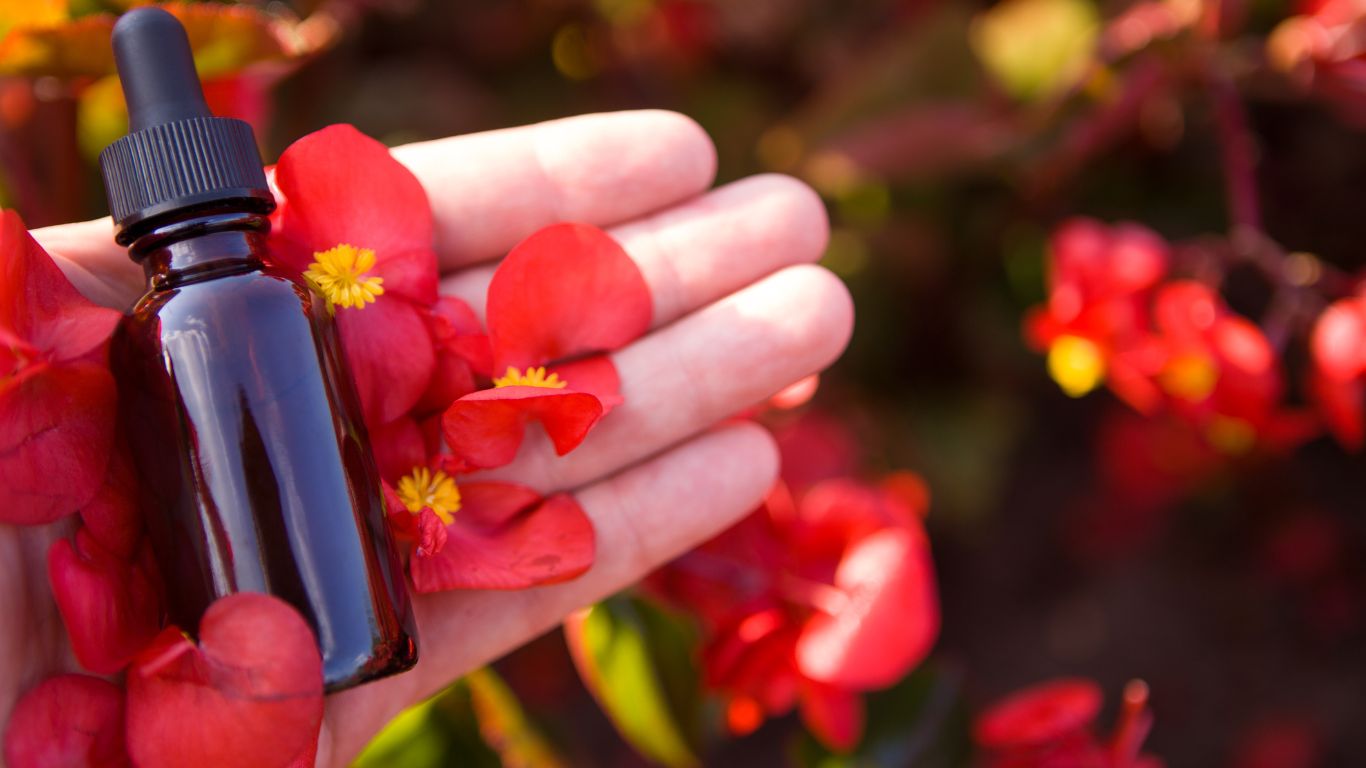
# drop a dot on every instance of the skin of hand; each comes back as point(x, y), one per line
point(740, 311)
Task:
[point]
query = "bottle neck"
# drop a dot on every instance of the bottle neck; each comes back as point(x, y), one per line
point(201, 245)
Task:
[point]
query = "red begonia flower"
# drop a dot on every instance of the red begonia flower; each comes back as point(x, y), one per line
point(1094, 325)
point(67, 720)
point(424, 527)
point(250, 694)
point(563, 297)
point(357, 224)
point(1047, 712)
point(113, 518)
point(812, 600)
point(1337, 349)
point(398, 447)
point(56, 395)
point(111, 605)
point(504, 536)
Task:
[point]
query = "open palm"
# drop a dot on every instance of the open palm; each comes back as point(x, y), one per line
point(739, 313)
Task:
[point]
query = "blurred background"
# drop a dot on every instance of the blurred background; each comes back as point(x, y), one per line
point(949, 138)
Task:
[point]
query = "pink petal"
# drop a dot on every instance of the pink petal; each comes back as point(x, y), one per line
point(566, 291)
point(70, 720)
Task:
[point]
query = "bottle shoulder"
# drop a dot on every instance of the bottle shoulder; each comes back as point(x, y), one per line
point(264, 295)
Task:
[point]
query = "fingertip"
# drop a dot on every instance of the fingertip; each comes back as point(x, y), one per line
point(691, 151)
point(820, 332)
point(799, 214)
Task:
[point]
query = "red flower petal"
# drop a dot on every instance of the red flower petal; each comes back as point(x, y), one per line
point(503, 539)
point(1040, 714)
point(390, 355)
point(833, 715)
point(56, 431)
point(249, 695)
point(462, 351)
point(484, 429)
point(113, 518)
point(889, 622)
point(67, 720)
point(39, 306)
point(1342, 405)
point(341, 186)
point(596, 375)
point(566, 291)
point(431, 534)
point(398, 447)
point(111, 606)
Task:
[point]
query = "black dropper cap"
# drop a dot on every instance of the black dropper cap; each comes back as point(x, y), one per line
point(177, 155)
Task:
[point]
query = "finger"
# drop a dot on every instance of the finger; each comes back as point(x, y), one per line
point(98, 267)
point(706, 367)
point(708, 247)
point(636, 516)
point(490, 190)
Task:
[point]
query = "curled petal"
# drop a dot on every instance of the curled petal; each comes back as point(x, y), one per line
point(566, 291)
point(888, 621)
point(1039, 715)
point(462, 351)
point(390, 354)
point(431, 534)
point(249, 695)
point(111, 606)
point(832, 714)
point(343, 187)
point(498, 541)
point(40, 307)
point(67, 720)
point(56, 431)
point(485, 429)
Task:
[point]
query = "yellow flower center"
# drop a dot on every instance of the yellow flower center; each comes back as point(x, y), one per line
point(1189, 377)
point(339, 275)
point(533, 377)
point(1076, 364)
point(423, 489)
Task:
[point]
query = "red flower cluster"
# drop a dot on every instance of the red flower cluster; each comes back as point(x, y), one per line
point(557, 304)
point(1051, 725)
point(1161, 346)
point(811, 600)
point(250, 692)
point(1320, 49)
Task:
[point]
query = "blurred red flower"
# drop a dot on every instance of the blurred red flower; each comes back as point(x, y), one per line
point(1337, 349)
point(356, 223)
point(67, 720)
point(249, 694)
point(1220, 374)
point(811, 602)
point(1094, 326)
point(56, 393)
point(1320, 49)
point(1052, 725)
point(562, 297)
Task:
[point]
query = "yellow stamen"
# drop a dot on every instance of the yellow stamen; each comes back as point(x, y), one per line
point(534, 377)
point(1189, 377)
point(424, 489)
point(1076, 364)
point(339, 275)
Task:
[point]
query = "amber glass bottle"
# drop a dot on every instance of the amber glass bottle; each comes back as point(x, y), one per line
point(253, 462)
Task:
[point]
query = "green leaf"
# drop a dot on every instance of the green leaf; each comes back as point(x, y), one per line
point(638, 662)
point(921, 721)
point(504, 724)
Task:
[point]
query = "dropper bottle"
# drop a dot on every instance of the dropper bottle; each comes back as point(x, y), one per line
point(253, 463)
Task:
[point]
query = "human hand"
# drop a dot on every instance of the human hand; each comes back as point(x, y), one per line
point(739, 313)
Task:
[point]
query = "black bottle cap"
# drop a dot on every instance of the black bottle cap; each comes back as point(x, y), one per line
point(176, 155)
